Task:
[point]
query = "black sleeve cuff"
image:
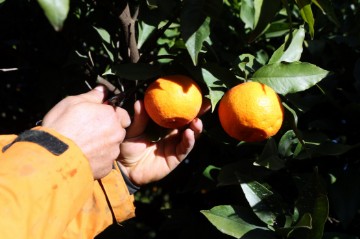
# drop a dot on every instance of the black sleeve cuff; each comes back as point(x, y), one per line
point(42, 138)
point(131, 187)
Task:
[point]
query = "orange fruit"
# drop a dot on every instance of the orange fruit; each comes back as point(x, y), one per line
point(251, 112)
point(173, 101)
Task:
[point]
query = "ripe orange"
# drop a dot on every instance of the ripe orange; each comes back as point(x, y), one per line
point(173, 101)
point(251, 112)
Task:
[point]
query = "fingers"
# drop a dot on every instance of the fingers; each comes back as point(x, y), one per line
point(140, 120)
point(123, 117)
point(188, 138)
point(96, 95)
point(196, 126)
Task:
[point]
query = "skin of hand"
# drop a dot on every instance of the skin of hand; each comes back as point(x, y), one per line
point(144, 161)
point(98, 129)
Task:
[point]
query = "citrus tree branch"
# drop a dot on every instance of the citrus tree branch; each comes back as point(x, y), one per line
point(128, 26)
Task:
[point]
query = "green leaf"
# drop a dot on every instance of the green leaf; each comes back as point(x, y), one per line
point(305, 222)
point(327, 9)
point(105, 36)
point(269, 157)
point(326, 148)
point(313, 200)
point(265, 12)
point(306, 14)
point(290, 52)
point(320, 215)
point(294, 116)
point(277, 29)
point(56, 11)
point(229, 221)
point(292, 77)
point(217, 79)
point(286, 143)
point(134, 71)
point(2, 1)
point(215, 86)
point(145, 30)
point(265, 204)
point(331, 148)
point(233, 173)
point(195, 42)
point(210, 170)
point(109, 53)
point(247, 13)
point(246, 65)
point(195, 27)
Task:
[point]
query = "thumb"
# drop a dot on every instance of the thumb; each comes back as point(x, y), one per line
point(140, 121)
point(96, 95)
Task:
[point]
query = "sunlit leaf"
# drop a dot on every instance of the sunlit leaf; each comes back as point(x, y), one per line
point(195, 27)
point(215, 86)
point(245, 65)
point(247, 13)
point(265, 204)
point(105, 36)
point(145, 30)
point(292, 77)
point(108, 52)
point(265, 11)
point(290, 52)
point(229, 221)
point(307, 14)
point(56, 11)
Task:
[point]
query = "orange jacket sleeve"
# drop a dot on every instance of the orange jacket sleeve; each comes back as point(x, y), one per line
point(109, 203)
point(50, 193)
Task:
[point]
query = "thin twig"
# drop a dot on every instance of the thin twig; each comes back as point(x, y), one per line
point(9, 69)
point(91, 60)
point(108, 85)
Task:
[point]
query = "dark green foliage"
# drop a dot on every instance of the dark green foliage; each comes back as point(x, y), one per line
point(303, 183)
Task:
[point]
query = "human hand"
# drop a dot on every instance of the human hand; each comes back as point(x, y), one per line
point(97, 128)
point(144, 161)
